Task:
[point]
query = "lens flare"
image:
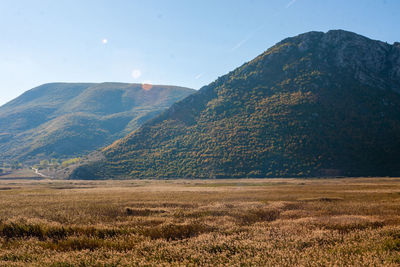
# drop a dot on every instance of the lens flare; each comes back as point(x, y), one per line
point(147, 86)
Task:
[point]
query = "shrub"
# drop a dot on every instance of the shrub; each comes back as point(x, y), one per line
point(15, 230)
point(258, 215)
point(142, 212)
point(176, 231)
point(76, 244)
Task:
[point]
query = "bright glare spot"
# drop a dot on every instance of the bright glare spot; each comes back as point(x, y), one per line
point(136, 74)
point(104, 41)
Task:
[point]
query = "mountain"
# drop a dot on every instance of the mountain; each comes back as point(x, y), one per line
point(61, 120)
point(318, 104)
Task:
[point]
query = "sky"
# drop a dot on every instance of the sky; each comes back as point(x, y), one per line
point(176, 42)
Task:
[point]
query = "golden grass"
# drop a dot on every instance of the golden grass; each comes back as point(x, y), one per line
point(252, 222)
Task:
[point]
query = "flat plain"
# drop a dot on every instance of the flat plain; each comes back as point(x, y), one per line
point(248, 222)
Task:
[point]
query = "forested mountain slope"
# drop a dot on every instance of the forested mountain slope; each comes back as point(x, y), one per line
point(315, 104)
point(65, 119)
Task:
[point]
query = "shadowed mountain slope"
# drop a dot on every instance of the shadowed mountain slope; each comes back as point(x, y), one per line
point(315, 104)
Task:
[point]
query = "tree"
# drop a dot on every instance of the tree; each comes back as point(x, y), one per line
point(15, 165)
point(44, 163)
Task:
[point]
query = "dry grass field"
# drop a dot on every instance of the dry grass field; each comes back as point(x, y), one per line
point(285, 222)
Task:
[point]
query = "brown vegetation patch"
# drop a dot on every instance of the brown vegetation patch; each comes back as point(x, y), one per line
point(393, 242)
point(347, 223)
point(42, 232)
point(143, 212)
point(257, 215)
point(6, 188)
point(72, 187)
point(163, 205)
point(199, 213)
point(321, 199)
point(176, 231)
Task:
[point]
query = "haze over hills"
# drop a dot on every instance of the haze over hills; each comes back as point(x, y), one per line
point(61, 120)
point(315, 104)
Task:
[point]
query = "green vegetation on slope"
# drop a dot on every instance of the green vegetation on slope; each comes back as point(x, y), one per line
point(315, 104)
point(61, 120)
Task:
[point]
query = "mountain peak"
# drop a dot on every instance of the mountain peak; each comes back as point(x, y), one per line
point(342, 49)
point(343, 33)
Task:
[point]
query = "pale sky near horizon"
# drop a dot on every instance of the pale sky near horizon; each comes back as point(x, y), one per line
point(185, 43)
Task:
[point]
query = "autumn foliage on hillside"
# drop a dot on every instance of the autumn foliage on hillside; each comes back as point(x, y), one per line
point(315, 104)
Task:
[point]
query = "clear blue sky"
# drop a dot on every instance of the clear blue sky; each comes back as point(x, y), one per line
point(187, 42)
